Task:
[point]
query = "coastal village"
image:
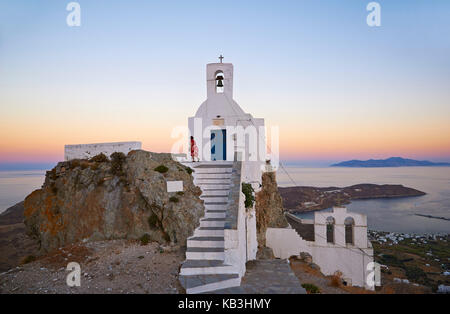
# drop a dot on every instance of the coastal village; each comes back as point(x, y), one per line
point(144, 222)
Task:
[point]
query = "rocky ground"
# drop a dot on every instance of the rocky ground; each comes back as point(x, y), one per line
point(116, 266)
point(315, 282)
point(15, 245)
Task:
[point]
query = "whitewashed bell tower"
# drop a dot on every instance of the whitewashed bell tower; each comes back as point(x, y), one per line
point(222, 130)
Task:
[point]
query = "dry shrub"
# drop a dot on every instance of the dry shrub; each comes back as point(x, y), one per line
point(336, 279)
point(74, 163)
point(28, 259)
point(99, 158)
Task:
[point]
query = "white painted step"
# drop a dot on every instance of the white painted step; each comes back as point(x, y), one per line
point(215, 215)
point(218, 199)
point(234, 282)
point(223, 193)
point(209, 232)
point(212, 222)
point(217, 242)
point(208, 267)
point(212, 176)
point(213, 186)
point(212, 170)
point(205, 253)
point(201, 181)
point(215, 206)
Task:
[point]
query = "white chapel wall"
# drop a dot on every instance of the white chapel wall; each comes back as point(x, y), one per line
point(351, 260)
point(86, 151)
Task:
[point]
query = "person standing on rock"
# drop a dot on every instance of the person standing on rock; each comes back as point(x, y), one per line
point(194, 150)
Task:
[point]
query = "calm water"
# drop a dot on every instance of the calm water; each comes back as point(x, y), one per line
point(387, 214)
point(16, 185)
point(383, 214)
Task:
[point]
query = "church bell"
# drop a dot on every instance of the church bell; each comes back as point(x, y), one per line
point(219, 81)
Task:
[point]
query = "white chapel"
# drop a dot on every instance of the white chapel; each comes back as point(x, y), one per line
point(222, 130)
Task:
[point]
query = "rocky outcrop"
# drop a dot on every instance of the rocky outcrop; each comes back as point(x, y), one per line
point(268, 207)
point(122, 198)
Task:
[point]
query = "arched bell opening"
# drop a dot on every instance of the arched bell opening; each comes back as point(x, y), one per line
point(219, 82)
point(330, 229)
point(349, 230)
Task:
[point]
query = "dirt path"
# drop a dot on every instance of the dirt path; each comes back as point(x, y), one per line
point(116, 266)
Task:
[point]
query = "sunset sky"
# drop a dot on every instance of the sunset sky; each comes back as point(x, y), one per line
point(337, 88)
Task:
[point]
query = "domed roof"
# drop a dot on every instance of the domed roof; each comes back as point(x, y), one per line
point(220, 105)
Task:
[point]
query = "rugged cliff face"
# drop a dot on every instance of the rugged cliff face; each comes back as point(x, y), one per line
point(122, 198)
point(268, 207)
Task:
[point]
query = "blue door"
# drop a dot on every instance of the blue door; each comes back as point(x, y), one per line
point(219, 145)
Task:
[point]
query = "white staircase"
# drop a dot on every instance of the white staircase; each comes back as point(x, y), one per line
point(204, 269)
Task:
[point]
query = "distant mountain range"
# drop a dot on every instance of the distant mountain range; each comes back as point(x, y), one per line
point(390, 162)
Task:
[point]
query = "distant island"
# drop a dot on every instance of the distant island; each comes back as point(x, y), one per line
point(390, 162)
point(306, 198)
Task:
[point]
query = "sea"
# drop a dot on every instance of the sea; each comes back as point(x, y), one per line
point(388, 214)
point(393, 215)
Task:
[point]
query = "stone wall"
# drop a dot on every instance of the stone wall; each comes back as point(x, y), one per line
point(87, 151)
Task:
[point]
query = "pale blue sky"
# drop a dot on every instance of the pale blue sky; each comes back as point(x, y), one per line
point(297, 63)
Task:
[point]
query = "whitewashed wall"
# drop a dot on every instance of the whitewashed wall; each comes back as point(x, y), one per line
point(235, 241)
point(86, 151)
point(351, 260)
point(241, 243)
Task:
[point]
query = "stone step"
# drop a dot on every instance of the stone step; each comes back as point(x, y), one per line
point(216, 206)
point(216, 193)
point(212, 222)
point(212, 170)
point(205, 283)
point(218, 242)
point(214, 199)
point(205, 253)
point(209, 232)
point(215, 164)
point(200, 182)
point(212, 176)
point(208, 214)
point(206, 267)
point(213, 186)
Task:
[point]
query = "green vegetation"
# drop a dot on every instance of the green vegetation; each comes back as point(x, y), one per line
point(161, 169)
point(174, 199)
point(311, 288)
point(420, 261)
point(247, 189)
point(180, 193)
point(145, 239)
point(417, 275)
point(189, 170)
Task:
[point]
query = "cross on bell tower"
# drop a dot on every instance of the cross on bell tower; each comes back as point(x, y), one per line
point(221, 58)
